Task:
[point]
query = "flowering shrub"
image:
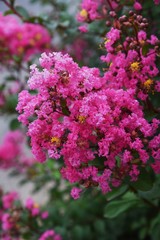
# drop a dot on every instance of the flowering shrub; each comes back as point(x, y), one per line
point(81, 119)
point(90, 110)
point(18, 222)
point(89, 119)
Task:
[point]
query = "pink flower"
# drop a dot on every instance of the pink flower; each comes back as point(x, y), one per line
point(75, 192)
point(83, 28)
point(22, 39)
point(12, 152)
point(83, 117)
point(8, 199)
point(32, 207)
point(44, 215)
point(7, 223)
point(137, 6)
point(157, 2)
point(51, 235)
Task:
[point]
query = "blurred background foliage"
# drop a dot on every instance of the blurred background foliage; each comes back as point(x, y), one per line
point(129, 212)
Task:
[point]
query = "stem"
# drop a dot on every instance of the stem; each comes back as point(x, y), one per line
point(13, 9)
point(136, 35)
point(150, 54)
point(151, 107)
point(108, 1)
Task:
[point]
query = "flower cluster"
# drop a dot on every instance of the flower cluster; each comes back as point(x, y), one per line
point(21, 39)
point(17, 220)
point(50, 234)
point(157, 2)
point(138, 6)
point(34, 209)
point(132, 62)
point(92, 10)
point(12, 153)
point(99, 130)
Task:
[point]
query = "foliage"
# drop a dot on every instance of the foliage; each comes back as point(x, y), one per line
point(92, 103)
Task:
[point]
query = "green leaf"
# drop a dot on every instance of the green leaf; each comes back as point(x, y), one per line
point(11, 78)
point(115, 208)
point(145, 181)
point(155, 229)
point(65, 24)
point(11, 103)
point(2, 87)
point(118, 161)
point(22, 11)
point(64, 107)
point(116, 192)
point(12, 2)
point(35, 19)
point(152, 194)
point(145, 49)
point(17, 59)
point(99, 226)
point(8, 12)
point(14, 124)
point(78, 232)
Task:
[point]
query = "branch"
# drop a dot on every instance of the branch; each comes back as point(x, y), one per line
point(13, 9)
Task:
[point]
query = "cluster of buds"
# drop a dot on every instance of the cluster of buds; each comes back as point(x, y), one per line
point(131, 56)
point(107, 10)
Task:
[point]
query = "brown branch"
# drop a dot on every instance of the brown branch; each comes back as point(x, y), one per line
point(13, 9)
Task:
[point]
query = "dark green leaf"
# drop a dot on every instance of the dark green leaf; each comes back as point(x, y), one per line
point(155, 229)
point(22, 11)
point(145, 181)
point(65, 24)
point(8, 12)
point(64, 107)
point(116, 192)
point(10, 78)
point(14, 124)
point(17, 58)
point(2, 87)
point(11, 103)
point(12, 2)
point(145, 49)
point(115, 208)
point(118, 161)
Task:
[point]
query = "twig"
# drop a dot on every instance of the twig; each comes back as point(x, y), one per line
point(13, 9)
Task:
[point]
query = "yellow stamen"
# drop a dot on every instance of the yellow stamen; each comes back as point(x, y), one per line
point(47, 45)
point(83, 13)
point(19, 36)
point(36, 205)
point(81, 118)
point(106, 41)
point(20, 50)
point(148, 84)
point(56, 141)
point(32, 42)
point(81, 143)
point(135, 66)
point(38, 36)
point(142, 42)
